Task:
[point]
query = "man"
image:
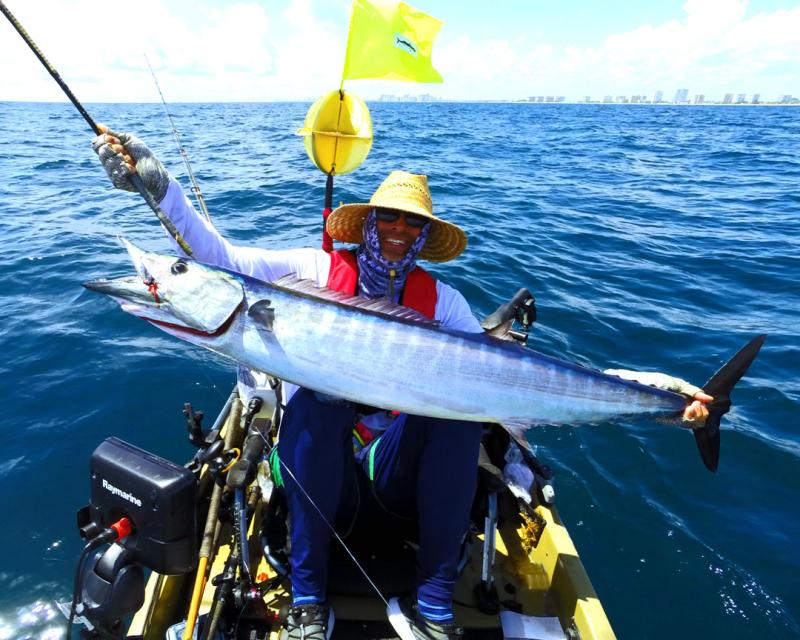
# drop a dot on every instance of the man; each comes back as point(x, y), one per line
point(415, 466)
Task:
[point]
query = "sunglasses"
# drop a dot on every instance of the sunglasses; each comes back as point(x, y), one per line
point(387, 215)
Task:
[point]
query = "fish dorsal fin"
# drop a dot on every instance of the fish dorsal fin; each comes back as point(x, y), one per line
point(381, 305)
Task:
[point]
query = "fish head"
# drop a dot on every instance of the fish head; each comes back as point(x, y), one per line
point(181, 294)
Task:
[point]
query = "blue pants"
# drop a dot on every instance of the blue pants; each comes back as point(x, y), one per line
point(420, 467)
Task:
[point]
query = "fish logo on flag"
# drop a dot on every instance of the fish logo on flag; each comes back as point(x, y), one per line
point(390, 40)
point(404, 43)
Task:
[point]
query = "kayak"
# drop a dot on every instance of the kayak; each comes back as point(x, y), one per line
point(528, 582)
point(520, 575)
point(214, 535)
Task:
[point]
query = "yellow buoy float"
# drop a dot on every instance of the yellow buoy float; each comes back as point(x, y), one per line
point(337, 132)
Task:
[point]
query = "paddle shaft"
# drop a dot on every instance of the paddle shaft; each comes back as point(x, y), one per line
point(135, 179)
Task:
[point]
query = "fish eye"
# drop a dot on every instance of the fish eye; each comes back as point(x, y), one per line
point(179, 267)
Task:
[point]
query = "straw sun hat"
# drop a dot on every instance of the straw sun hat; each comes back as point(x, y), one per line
point(406, 192)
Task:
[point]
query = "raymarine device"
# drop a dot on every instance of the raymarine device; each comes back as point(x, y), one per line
point(158, 496)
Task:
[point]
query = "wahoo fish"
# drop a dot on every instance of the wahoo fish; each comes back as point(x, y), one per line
point(384, 355)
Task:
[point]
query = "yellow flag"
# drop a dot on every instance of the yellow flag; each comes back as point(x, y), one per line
point(390, 40)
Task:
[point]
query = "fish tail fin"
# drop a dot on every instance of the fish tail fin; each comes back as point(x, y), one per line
point(719, 386)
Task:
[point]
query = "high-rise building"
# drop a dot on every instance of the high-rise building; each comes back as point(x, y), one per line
point(658, 96)
point(699, 98)
point(756, 98)
point(728, 99)
point(681, 95)
point(634, 99)
point(740, 98)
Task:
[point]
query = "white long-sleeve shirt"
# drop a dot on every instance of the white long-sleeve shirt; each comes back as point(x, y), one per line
point(209, 247)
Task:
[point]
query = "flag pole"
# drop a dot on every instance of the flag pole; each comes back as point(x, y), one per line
point(347, 47)
point(327, 241)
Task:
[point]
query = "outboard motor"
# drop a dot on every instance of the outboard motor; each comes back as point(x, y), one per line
point(146, 507)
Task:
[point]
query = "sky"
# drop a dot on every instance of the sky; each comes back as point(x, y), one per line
point(272, 50)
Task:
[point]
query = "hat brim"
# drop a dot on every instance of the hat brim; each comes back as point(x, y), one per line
point(445, 242)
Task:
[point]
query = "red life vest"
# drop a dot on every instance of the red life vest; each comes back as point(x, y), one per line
point(418, 294)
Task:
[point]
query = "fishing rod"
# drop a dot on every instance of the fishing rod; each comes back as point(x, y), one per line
point(135, 179)
point(184, 154)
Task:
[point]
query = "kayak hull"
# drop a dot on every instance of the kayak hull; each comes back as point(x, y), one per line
point(537, 570)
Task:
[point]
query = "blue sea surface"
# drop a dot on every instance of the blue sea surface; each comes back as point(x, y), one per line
point(654, 237)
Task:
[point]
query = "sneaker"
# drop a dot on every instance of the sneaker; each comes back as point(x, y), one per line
point(409, 625)
point(308, 622)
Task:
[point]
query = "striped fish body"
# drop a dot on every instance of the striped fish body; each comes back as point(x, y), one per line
point(379, 354)
point(373, 357)
point(375, 353)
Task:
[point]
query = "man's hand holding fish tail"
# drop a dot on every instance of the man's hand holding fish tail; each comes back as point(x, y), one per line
point(438, 455)
point(696, 411)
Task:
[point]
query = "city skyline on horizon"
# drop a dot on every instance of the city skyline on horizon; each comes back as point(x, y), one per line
point(606, 98)
point(251, 50)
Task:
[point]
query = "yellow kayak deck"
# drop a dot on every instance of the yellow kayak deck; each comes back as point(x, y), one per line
point(536, 571)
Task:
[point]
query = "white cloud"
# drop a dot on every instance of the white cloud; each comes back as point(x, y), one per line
point(311, 54)
point(714, 48)
point(244, 51)
point(258, 50)
point(707, 16)
point(98, 47)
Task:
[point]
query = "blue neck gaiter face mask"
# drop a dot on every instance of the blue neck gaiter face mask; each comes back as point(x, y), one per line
point(377, 277)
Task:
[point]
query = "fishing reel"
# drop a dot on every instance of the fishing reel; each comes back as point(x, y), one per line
point(211, 451)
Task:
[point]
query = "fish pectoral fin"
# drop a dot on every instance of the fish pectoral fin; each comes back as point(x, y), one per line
point(262, 314)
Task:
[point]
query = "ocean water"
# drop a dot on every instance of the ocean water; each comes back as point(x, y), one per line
point(653, 237)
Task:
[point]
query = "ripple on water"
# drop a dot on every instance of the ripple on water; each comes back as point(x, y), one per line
point(39, 620)
point(652, 238)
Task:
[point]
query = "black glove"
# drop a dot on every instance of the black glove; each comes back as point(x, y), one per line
point(153, 174)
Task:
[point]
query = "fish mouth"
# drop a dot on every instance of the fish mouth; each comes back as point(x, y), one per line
point(130, 289)
point(179, 295)
point(135, 297)
point(176, 328)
